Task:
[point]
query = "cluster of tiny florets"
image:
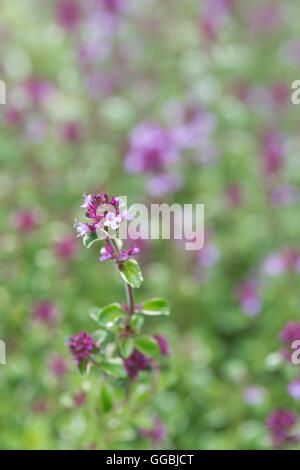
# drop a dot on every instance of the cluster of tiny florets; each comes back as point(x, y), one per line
point(81, 346)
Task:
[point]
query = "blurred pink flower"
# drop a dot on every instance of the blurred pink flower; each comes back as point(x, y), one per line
point(208, 255)
point(280, 423)
point(68, 13)
point(254, 395)
point(215, 14)
point(38, 90)
point(25, 220)
point(46, 312)
point(59, 366)
point(265, 17)
point(294, 389)
point(284, 195)
point(279, 263)
point(35, 130)
point(272, 151)
point(66, 248)
point(163, 183)
point(40, 406)
point(290, 332)
point(234, 195)
point(249, 298)
point(196, 127)
point(289, 52)
point(151, 148)
point(71, 132)
point(13, 117)
point(113, 6)
point(156, 434)
point(79, 399)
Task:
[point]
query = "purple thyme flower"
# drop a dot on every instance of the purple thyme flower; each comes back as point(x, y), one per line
point(294, 389)
point(108, 253)
point(81, 346)
point(163, 344)
point(102, 213)
point(135, 363)
point(280, 423)
point(82, 229)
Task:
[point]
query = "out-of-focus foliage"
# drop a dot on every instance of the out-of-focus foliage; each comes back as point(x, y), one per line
point(215, 77)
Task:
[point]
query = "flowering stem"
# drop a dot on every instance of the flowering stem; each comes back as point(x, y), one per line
point(128, 288)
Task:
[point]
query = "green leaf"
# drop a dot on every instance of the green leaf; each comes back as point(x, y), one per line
point(131, 273)
point(126, 347)
point(136, 322)
point(114, 367)
point(107, 315)
point(99, 336)
point(89, 239)
point(147, 345)
point(106, 398)
point(156, 307)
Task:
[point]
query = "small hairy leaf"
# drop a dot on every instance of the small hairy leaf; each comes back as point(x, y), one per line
point(131, 273)
point(155, 307)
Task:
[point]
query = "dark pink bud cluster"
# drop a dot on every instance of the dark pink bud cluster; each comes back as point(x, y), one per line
point(108, 253)
point(81, 346)
point(280, 424)
point(135, 363)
